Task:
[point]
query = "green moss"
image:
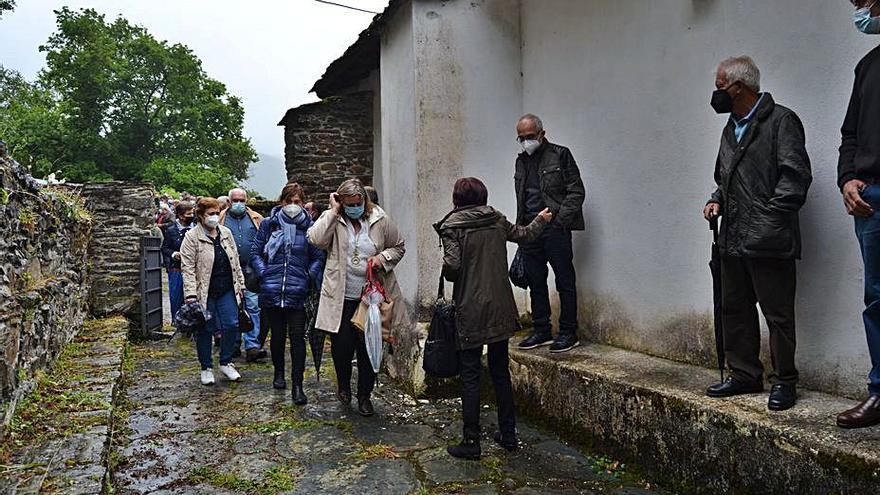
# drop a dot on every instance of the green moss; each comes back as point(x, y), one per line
point(378, 451)
point(275, 480)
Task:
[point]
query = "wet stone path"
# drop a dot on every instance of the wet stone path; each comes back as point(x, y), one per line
point(175, 436)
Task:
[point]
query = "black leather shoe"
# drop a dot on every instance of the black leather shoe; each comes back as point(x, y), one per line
point(862, 416)
point(255, 355)
point(782, 397)
point(365, 407)
point(731, 387)
point(279, 382)
point(564, 343)
point(344, 397)
point(507, 443)
point(299, 397)
point(467, 449)
point(536, 340)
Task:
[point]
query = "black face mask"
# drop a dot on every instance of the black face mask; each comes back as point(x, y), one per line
point(722, 102)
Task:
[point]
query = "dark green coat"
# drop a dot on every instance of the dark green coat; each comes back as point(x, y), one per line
point(475, 260)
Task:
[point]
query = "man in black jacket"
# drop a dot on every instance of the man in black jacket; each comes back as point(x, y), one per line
point(858, 173)
point(546, 176)
point(763, 174)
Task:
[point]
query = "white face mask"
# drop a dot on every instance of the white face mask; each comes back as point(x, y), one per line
point(530, 146)
point(213, 221)
point(292, 210)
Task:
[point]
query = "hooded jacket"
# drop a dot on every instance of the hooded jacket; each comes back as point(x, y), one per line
point(475, 261)
point(285, 280)
point(762, 184)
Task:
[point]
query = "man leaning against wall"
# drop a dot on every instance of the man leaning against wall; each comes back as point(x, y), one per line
point(763, 174)
point(858, 172)
point(547, 176)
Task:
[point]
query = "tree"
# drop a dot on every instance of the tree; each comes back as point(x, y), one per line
point(113, 100)
point(6, 5)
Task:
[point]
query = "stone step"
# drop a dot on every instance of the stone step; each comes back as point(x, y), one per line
point(653, 412)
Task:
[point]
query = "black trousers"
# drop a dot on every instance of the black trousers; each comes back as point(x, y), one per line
point(499, 370)
point(770, 283)
point(284, 322)
point(553, 247)
point(343, 346)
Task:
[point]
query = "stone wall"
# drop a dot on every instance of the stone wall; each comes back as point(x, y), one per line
point(44, 234)
point(329, 141)
point(123, 214)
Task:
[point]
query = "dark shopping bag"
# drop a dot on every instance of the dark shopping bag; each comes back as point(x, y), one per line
point(517, 271)
point(441, 350)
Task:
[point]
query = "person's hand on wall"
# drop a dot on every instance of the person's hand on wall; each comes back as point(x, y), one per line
point(711, 210)
point(852, 199)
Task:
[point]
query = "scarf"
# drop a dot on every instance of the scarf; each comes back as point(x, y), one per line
point(284, 236)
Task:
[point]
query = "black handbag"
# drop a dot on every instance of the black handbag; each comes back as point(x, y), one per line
point(245, 323)
point(517, 271)
point(441, 348)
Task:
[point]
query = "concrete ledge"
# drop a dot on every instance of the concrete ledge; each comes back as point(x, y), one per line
point(652, 412)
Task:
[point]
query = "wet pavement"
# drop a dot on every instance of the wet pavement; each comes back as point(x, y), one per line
point(175, 436)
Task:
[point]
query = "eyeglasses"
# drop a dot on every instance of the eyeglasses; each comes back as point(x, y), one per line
point(527, 137)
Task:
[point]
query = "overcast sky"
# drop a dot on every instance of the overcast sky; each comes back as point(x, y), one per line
point(268, 52)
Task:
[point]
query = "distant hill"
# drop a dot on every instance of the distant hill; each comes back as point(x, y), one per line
point(267, 176)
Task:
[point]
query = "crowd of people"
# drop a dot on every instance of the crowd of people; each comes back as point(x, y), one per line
point(225, 257)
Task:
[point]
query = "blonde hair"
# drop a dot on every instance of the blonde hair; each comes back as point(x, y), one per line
point(352, 188)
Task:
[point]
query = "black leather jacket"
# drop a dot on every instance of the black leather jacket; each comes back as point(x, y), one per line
point(762, 184)
point(561, 186)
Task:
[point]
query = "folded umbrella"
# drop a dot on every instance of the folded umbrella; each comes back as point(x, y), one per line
point(315, 337)
point(715, 268)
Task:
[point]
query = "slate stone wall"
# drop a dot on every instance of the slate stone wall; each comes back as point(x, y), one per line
point(124, 212)
point(44, 234)
point(328, 142)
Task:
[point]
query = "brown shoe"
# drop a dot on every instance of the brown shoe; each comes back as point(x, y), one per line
point(862, 416)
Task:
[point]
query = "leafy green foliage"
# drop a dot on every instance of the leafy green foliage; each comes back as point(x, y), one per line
point(6, 5)
point(116, 103)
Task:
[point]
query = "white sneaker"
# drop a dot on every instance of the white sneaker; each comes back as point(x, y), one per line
point(208, 377)
point(230, 372)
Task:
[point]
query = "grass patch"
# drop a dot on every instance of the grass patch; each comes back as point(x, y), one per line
point(275, 480)
point(378, 451)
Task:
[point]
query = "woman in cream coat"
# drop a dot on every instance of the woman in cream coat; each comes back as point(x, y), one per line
point(353, 232)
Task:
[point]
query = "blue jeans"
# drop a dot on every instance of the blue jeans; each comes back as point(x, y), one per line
point(553, 247)
point(868, 232)
point(175, 291)
point(224, 319)
point(252, 306)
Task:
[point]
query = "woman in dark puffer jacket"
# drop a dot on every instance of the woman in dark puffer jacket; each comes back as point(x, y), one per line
point(289, 268)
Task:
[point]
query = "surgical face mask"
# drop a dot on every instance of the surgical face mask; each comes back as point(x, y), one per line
point(864, 22)
point(530, 146)
point(292, 210)
point(354, 212)
point(722, 102)
point(238, 209)
point(213, 221)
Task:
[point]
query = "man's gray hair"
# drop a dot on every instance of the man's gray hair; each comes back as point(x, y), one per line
point(742, 69)
point(238, 189)
point(539, 124)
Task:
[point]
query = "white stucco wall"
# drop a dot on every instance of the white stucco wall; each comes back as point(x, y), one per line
point(626, 84)
point(398, 181)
